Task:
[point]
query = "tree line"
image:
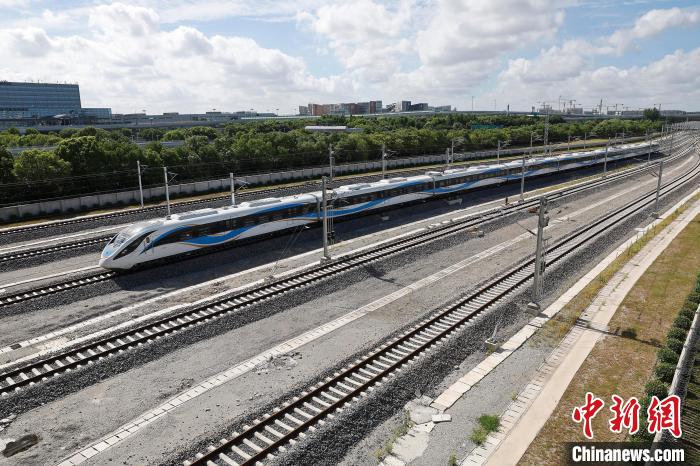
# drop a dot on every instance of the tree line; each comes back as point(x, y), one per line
point(93, 160)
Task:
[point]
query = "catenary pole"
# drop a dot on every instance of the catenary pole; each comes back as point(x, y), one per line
point(326, 254)
point(167, 192)
point(138, 167)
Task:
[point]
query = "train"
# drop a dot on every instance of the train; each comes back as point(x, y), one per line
point(186, 233)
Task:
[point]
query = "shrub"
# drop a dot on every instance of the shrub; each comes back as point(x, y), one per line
point(489, 423)
point(682, 322)
point(657, 388)
point(452, 460)
point(687, 313)
point(675, 345)
point(677, 333)
point(666, 355)
point(694, 297)
point(478, 435)
point(664, 371)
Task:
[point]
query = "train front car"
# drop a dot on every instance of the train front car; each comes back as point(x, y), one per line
point(122, 252)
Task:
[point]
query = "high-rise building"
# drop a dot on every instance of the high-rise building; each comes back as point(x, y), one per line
point(402, 106)
point(303, 110)
point(37, 100)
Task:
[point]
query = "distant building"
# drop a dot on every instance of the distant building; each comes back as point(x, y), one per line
point(402, 106)
point(97, 113)
point(332, 129)
point(421, 107)
point(443, 108)
point(303, 110)
point(349, 108)
point(38, 100)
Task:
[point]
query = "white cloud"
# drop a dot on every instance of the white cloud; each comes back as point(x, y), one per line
point(653, 23)
point(366, 36)
point(126, 60)
point(673, 79)
point(473, 30)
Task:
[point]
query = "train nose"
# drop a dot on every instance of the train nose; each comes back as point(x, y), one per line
point(105, 262)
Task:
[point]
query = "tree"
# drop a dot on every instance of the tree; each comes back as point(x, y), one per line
point(84, 154)
point(652, 114)
point(7, 162)
point(34, 165)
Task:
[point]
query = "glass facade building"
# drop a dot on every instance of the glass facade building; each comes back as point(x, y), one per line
point(38, 100)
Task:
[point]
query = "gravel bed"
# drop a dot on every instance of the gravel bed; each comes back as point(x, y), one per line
point(348, 229)
point(27, 262)
point(76, 380)
point(329, 444)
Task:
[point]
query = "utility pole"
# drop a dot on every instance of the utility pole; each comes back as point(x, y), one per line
point(138, 167)
point(546, 132)
point(331, 159)
point(542, 222)
point(452, 151)
point(522, 181)
point(447, 158)
point(324, 208)
point(646, 136)
point(605, 162)
point(498, 153)
point(383, 161)
point(167, 193)
point(670, 150)
point(656, 212)
point(233, 190)
point(584, 139)
point(568, 144)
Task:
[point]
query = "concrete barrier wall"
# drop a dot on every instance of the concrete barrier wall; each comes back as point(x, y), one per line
point(38, 209)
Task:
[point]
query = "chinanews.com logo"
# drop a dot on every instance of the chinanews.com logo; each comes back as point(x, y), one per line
point(662, 415)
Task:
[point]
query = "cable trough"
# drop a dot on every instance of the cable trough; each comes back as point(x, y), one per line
point(420, 238)
point(28, 374)
point(279, 428)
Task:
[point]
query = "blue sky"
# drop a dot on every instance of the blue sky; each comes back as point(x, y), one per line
point(193, 56)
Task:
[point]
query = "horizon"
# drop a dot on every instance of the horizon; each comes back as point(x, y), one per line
point(197, 56)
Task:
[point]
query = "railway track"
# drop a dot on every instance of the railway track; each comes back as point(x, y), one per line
point(35, 252)
point(271, 433)
point(243, 196)
point(33, 372)
point(420, 238)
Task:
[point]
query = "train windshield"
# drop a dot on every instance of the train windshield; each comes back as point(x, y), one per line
point(129, 233)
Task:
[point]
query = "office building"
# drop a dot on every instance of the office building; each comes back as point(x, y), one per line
point(38, 100)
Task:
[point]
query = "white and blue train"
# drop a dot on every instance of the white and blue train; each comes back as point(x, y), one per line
point(186, 233)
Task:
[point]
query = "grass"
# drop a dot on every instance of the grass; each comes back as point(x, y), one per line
point(622, 364)
point(452, 460)
point(485, 425)
point(398, 432)
point(556, 328)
